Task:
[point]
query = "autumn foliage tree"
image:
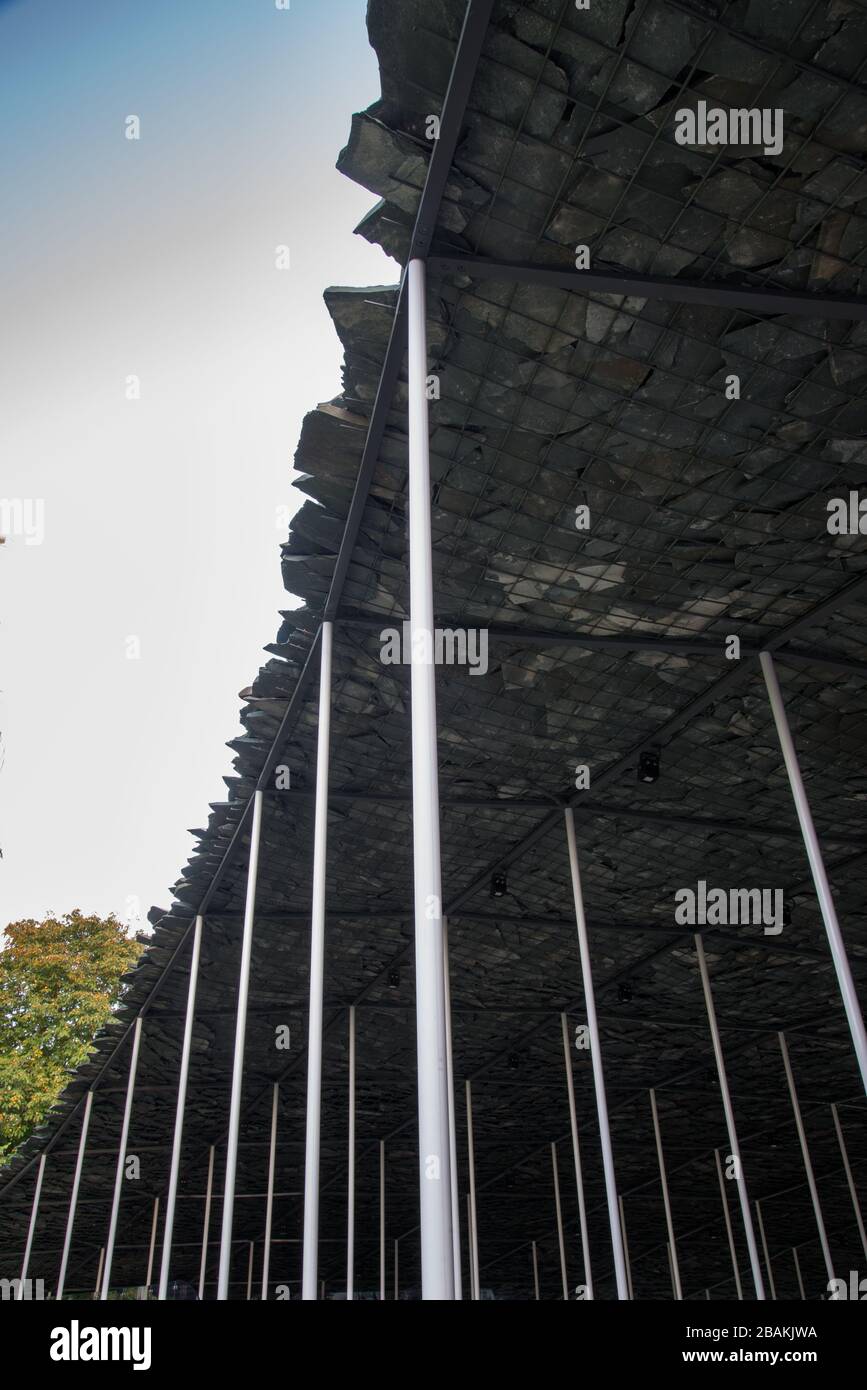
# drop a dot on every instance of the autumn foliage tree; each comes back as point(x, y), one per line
point(58, 981)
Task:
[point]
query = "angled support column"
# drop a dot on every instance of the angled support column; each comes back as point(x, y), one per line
point(453, 1136)
point(437, 1246)
point(152, 1245)
point(99, 1272)
point(179, 1112)
point(535, 1271)
point(317, 978)
point(350, 1196)
point(250, 1270)
point(625, 1249)
point(238, 1062)
point(817, 867)
point(73, 1200)
point(121, 1157)
point(559, 1209)
point(672, 1248)
point(207, 1226)
point(576, 1154)
point(730, 1120)
point(269, 1200)
point(729, 1232)
point(849, 1179)
point(471, 1197)
point(771, 1285)
point(805, 1154)
point(798, 1273)
point(596, 1059)
point(34, 1212)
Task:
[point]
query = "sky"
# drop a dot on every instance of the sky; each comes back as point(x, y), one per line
point(155, 367)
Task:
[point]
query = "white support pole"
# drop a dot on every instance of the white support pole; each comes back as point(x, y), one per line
point(596, 1059)
point(121, 1160)
point(560, 1237)
point(437, 1246)
point(845, 982)
point(179, 1111)
point(849, 1179)
point(729, 1232)
point(382, 1220)
point(153, 1245)
point(805, 1154)
point(95, 1294)
point(350, 1196)
point(730, 1121)
point(672, 1248)
point(208, 1195)
point(269, 1200)
point(238, 1062)
point(671, 1269)
point(34, 1211)
point(73, 1200)
point(771, 1285)
point(317, 977)
point(470, 1249)
point(474, 1230)
point(576, 1154)
point(622, 1214)
point(396, 1284)
point(536, 1271)
point(250, 1271)
point(798, 1272)
point(453, 1134)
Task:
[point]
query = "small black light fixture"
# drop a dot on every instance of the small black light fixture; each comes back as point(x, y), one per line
point(624, 994)
point(499, 884)
point(394, 979)
point(648, 765)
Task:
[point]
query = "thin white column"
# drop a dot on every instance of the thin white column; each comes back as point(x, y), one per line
point(73, 1200)
point(179, 1111)
point(99, 1271)
point(730, 1120)
point(560, 1236)
point(625, 1249)
point(250, 1271)
point(153, 1245)
point(437, 1247)
point(121, 1160)
point(317, 977)
point(269, 1201)
point(576, 1154)
point(805, 1154)
point(536, 1271)
point(470, 1249)
point(729, 1232)
point(471, 1155)
point(238, 1062)
point(208, 1194)
point(771, 1283)
point(798, 1272)
point(350, 1196)
point(845, 982)
point(382, 1220)
point(34, 1211)
point(596, 1059)
point(453, 1135)
point(675, 1268)
point(671, 1268)
point(849, 1179)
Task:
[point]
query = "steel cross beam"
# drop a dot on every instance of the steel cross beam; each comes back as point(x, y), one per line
point(607, 280)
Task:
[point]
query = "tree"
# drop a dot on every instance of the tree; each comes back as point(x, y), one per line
point(58, 982)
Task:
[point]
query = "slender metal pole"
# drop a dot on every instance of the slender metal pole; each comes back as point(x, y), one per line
point(152, 1246)
point(269, 1201)
point(396, 1284)
point(121, 1160)
point(798, 1272)
point(179, 1111)
point(238, 1063)
point(849, 1179)
point(576, 1154)
point(560, 1236)
point(625, 1249)
point(729, 1232)
point(99, 1271)
point(34, 1210)
point(671, 1269)
point(208, 1194)
point(317, 977)
point(437, 1247)
point(817, 867)
point(250, 1271)
point(470, 1249)
point(772, 1286)
point(805, 1154)
point(350, 1199)
point(596, 1059)
point(474, 1230)
point(730, 1120)
point(453, 1136)
point(536, 1271)
point(382, 1220)
point(73, 1200)
point(675, 1268)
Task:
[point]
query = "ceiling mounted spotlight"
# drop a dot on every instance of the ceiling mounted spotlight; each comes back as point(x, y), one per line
point(499, 885)
point(394, 979)
point(648, 765)
point(624, 994)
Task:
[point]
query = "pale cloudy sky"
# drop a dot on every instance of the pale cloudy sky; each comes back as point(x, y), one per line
point(155, 258)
